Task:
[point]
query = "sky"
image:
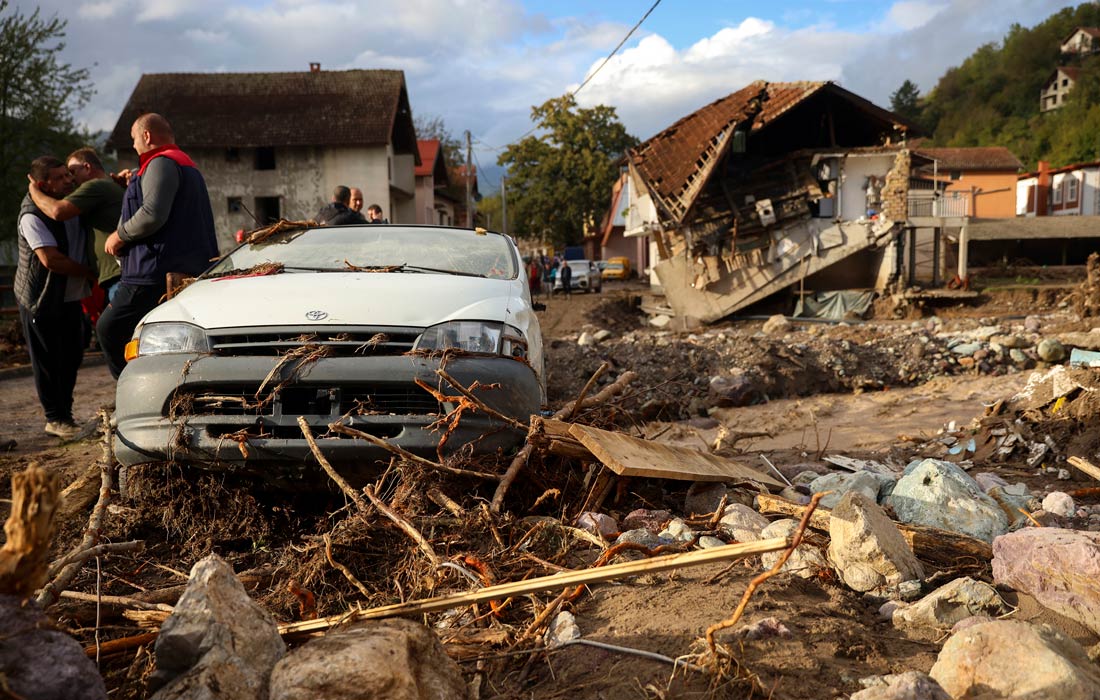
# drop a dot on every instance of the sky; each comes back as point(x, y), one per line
point(482, 64)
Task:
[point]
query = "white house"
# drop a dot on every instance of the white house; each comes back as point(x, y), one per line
point(1082, 40)
point(1057, 88)
point(276, 145)
point(1073, 190)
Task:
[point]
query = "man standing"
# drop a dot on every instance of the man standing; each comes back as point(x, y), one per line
point(50, 281)
point(97, 200)
point(566, 274)
point(167, 226)
point(337, 212)
point(374, 215)
point(356, 204)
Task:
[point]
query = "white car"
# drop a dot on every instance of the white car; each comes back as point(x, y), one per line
point(586, 276)
point(334, 324)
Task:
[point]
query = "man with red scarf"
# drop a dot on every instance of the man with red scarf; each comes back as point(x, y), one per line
point(167, 226)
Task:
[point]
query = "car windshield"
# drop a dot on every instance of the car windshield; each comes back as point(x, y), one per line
point(614, 266)
point(377, 249)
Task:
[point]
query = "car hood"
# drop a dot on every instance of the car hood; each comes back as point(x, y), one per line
point(344, 298)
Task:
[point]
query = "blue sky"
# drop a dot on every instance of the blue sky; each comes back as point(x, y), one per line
point(482, 64)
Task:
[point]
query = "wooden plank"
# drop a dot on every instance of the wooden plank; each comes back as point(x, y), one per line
point(1085, 466)
point(631, 456)
point(553, 582)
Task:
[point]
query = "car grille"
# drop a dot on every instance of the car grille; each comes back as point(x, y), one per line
point(342, 341)
point(401, 398)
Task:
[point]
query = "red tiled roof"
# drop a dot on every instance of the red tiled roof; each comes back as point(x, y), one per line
point(977, 158)
point(1063, 169)
point(322, 108)
point(1091, 31)
point(429, 149)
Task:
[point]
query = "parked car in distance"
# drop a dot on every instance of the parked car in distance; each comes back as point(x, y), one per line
point(586, 276)
point(334, 324)
point(617, 269)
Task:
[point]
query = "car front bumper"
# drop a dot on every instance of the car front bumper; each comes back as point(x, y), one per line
point(193, 408)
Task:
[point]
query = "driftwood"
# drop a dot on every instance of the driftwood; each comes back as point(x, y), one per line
point(569, 409)
point(543, 583)
point(170, 594)
point(408, 456)
point(34, 498)
point(1085, 466)
point(117, 601)
point(939, 547)
point(404, 525)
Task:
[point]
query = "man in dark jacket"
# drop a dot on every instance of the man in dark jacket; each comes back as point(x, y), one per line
point(337, 212)
point(167, 226)
point(566, 275)
point(51, 278)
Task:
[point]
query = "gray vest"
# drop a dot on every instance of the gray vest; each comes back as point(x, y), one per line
point(37, 289)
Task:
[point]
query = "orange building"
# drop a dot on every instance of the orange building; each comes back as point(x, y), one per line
point(978, 182)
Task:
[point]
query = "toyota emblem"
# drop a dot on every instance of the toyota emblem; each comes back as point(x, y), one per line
point(316, 315)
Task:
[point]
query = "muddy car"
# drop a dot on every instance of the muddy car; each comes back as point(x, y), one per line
point(334, 324)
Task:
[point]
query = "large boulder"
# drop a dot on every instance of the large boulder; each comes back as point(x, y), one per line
point(840, 483)
point(218, 642)
point(1017, 660)
point(940, 494)
point(866, 548)
point(379, 659)
point(958, 600)
point(911, 685)
point(806, 561)
point(38, 662)
point(1059, 568)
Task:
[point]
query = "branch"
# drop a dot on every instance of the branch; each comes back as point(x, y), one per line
point(405, 526)
point(332, 473)
point(488, 410)
point(29, 529)
point(408, 456)
point(79, 557)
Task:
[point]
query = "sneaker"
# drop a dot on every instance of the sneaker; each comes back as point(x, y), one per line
point(66, 430)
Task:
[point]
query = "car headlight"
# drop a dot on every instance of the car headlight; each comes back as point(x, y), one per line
point(485, 337)
point(164, 338)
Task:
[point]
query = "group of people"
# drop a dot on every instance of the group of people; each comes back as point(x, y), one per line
point(109, 242)
point(542, 273)
point(346, 208)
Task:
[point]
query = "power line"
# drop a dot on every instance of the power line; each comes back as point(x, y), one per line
point(616, 49)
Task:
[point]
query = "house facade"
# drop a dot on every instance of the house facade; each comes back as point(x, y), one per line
point(1072, 190)
point(275, 145)
point(434, 204)
point(976, 182)
point(1057, 87)
point(613, 241)
point(1081, 41)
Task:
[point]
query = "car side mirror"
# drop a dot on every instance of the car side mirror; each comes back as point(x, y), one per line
point(538, 306)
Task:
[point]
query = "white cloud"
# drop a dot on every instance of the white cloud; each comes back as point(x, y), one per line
point(912, 14)
point(100, 9)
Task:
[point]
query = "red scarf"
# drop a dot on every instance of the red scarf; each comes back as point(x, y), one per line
point(170, 151)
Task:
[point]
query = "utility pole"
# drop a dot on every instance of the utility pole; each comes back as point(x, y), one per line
point(504, 205)
point(469, 182)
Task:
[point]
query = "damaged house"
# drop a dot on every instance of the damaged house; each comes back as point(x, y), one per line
point(800, 186)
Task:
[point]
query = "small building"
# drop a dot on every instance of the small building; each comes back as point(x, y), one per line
point(977, 182)
point(1072, 190)
point(275, 145)
point(434, 203)
point(1057, 88)
point(613, 241)
point(1081, 42)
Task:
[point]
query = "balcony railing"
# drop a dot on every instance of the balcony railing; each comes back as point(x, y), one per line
point(927, 203)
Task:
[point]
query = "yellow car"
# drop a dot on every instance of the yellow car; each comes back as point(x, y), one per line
point(616, 269)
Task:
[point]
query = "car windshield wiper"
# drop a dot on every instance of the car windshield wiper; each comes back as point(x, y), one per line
point(420, 268)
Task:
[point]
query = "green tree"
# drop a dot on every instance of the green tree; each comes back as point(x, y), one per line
point(38, 95)
point(561, 176)
point(432, 126)
point(905, 101)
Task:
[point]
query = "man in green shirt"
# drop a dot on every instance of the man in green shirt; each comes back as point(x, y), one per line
point(97, 200)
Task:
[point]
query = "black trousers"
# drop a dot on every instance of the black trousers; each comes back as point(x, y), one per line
point(120, 318)
point(55, 342)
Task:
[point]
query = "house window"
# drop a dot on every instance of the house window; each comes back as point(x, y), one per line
point(1065, 82)
point(389, 168)
point(956, 175)
point(1071, 190)
point(232, 155)
point(267, 210)
point(265, 158)
point(233, 204)
point(1057, 193)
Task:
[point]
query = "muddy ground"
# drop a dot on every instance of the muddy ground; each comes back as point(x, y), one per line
point(861, 390)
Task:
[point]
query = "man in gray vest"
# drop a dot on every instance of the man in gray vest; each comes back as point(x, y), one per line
point(51, 279)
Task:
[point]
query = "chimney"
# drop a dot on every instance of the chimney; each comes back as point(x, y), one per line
point(1042, 189)
point(314, 67)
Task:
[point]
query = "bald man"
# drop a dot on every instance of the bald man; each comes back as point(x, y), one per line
point(356, 203)
point(167, 226)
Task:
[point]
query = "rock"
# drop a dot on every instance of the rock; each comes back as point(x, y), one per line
point(966, 349)
point(1032, 324)
point(563, 628)
point(1060, 503)
point(776, 325)
point(1008, 341)
point(840, 483)
point(806, 561)
point(38, 662)
point(660, 321)
point(866, 548)
point(1050, 350)
point(391, 659)
point(652, 520)
point(217, 642)
point(742, 523)
point(1017, 660)
point(763, 629)
point(987, 480)
point(939, 610)
point(598, 524)
point(737, 389)
point(1018, 356)
point(940, 494)
point(703, 497)
point(640, 536)
point(886, 610)
point(602, 335)
point(1060, 568)
point(586, 339)
point(911, 685)
point(677, 530)
point(709, 542)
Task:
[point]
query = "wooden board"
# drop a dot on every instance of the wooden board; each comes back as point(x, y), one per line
point(630, 456)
